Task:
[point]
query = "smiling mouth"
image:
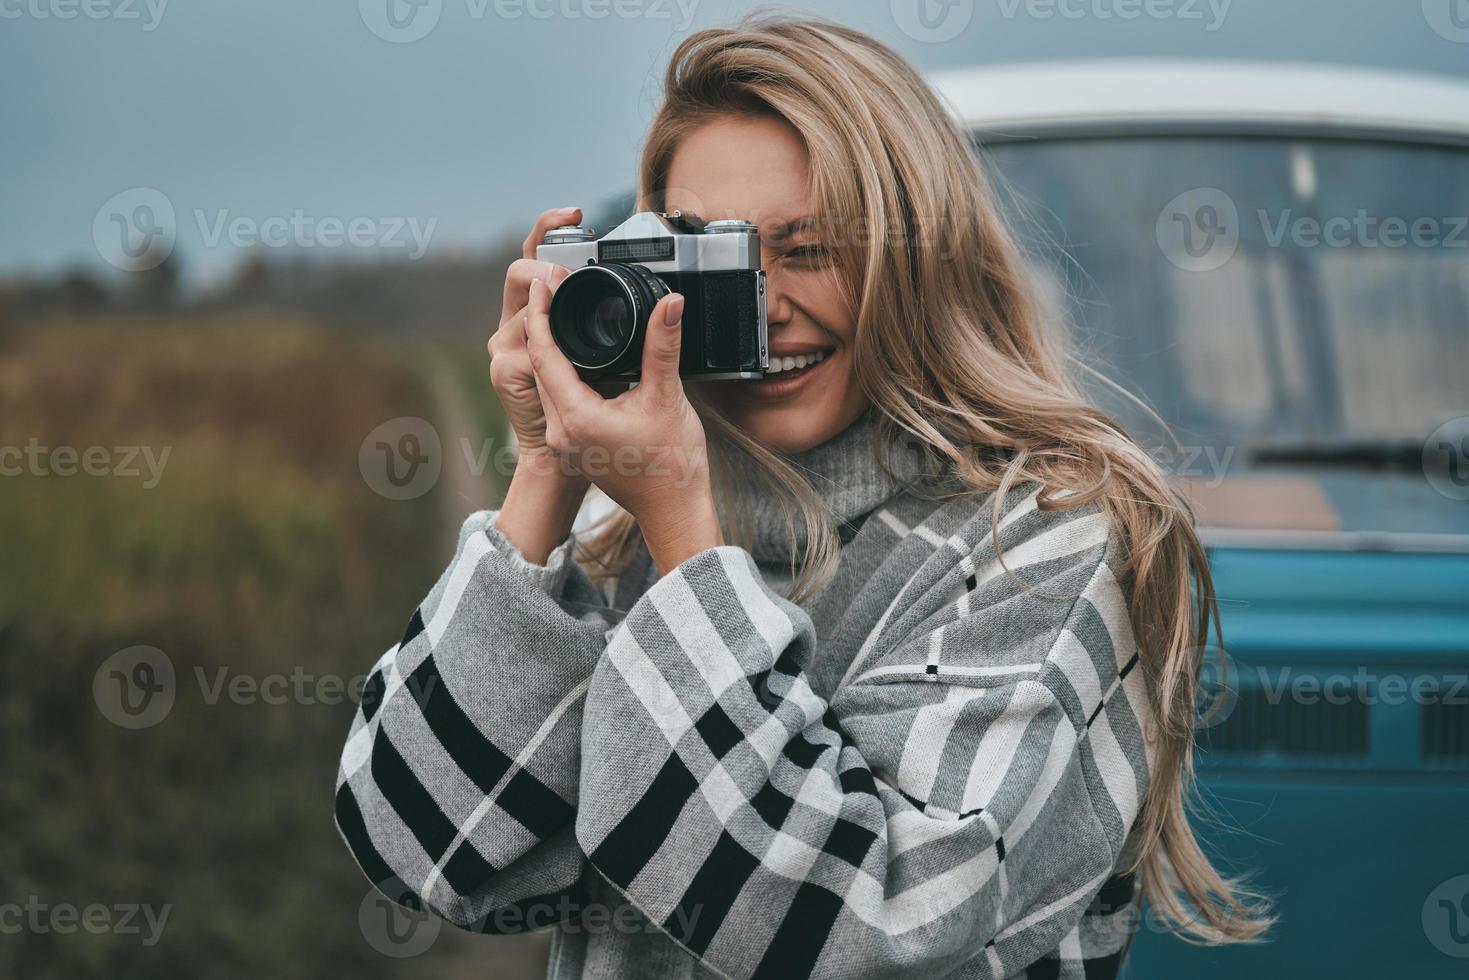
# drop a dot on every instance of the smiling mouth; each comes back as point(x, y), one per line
point(793, 366)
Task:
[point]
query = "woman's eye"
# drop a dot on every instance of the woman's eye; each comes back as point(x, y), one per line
point(809, 255)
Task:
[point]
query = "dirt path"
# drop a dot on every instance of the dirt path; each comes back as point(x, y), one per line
point(462, 438)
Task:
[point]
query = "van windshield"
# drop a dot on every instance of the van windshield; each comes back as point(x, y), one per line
point(1297, 310)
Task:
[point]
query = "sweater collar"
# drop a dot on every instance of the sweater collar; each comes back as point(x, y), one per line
point(845, 472)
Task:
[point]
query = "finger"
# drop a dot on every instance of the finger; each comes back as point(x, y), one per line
point(554, 429)
point(662, 344)
point(510, 336)
point(555, 218)
point(517, 283)
point(555, 375)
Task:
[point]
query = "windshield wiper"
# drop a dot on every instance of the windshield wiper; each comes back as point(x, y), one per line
point(1401, 455)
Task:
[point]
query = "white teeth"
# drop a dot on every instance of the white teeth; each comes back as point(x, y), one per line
point(779, 365)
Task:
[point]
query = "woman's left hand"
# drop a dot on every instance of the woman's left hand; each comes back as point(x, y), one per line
point(644, 448)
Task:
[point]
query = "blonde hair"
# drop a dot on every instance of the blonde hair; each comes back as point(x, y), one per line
point(970, 375)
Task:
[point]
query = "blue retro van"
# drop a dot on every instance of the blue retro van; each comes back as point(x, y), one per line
point(1275, 260)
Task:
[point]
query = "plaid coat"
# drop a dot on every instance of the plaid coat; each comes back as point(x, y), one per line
point(933, 768)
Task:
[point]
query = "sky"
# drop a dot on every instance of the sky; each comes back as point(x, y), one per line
point(410, 127)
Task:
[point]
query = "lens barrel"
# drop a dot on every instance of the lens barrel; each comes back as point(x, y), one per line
point(600, 312)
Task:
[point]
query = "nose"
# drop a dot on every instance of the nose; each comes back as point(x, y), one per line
point(778, 306)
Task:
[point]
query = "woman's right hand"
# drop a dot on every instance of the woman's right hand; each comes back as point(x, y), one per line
point(544, 495)
point(510, 368)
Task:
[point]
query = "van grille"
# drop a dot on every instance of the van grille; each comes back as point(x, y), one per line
point(1258, 725)
point(1446, 732)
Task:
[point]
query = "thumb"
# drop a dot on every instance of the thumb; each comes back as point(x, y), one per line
point(662, 344)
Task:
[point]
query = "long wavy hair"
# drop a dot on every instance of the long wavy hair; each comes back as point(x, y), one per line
point(949, 347)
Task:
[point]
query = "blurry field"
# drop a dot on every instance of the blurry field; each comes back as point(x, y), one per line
point(261, 552)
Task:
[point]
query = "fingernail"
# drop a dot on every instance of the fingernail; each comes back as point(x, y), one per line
point(568, 210)
point(674, 311)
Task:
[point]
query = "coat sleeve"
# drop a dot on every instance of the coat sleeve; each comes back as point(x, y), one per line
point(457, 782)
point(955, 806)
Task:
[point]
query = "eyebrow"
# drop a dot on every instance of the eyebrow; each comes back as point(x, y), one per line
point(807, 223)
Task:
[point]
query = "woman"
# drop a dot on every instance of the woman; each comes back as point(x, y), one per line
point(885, 668)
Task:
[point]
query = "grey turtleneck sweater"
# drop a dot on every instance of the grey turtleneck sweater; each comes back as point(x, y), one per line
point(850, 477)
point(931, 768)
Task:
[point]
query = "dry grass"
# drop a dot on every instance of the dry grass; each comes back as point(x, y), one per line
point(260, 552)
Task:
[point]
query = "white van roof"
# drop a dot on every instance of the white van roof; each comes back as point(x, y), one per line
point(1141, 95)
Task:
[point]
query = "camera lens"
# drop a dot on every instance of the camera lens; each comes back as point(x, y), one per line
point(610, 323)
point(600, 312)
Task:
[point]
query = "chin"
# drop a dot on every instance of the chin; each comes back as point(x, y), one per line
point(793, 426)
point(785, 431)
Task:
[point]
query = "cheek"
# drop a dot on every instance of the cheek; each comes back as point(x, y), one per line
point(825, 303)
point(842, 392)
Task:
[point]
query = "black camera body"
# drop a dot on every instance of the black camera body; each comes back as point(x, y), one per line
point(599, 314)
